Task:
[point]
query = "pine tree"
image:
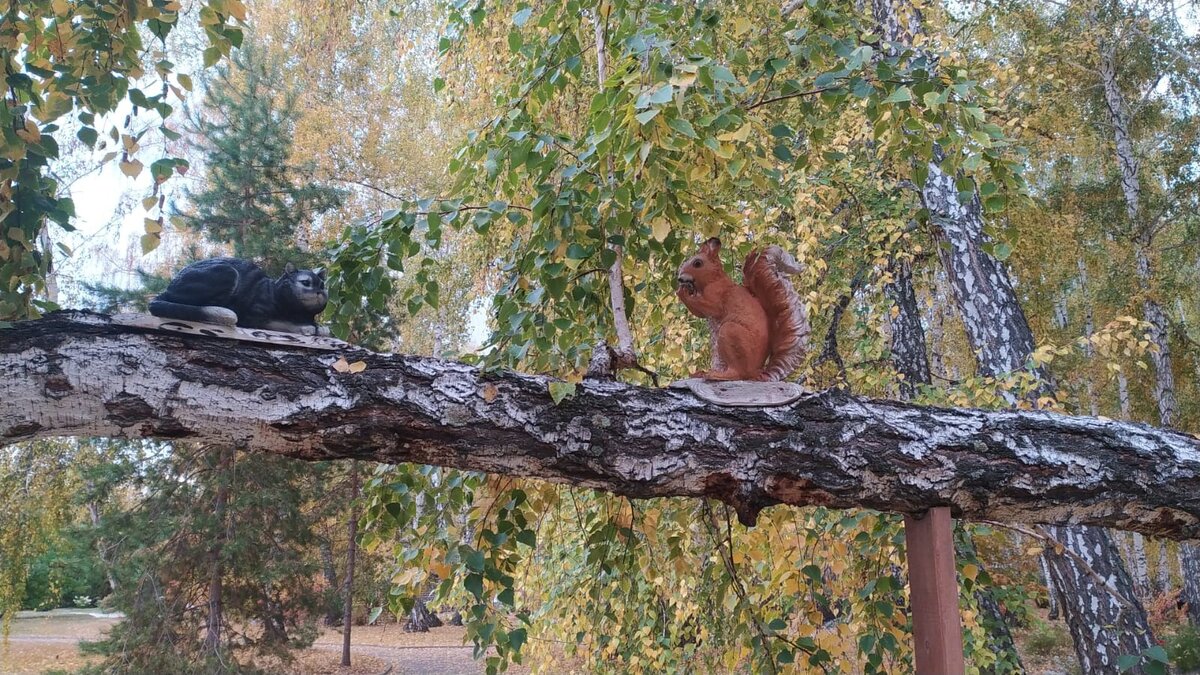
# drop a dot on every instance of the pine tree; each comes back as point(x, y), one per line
point(255, 200)
point(219, 573)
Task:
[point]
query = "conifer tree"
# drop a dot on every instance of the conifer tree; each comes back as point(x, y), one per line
point(220, 572)
point(255, 199)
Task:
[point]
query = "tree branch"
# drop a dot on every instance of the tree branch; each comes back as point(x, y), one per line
point(78, 374)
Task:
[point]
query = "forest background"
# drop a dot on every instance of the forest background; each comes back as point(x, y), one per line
point(475, 177)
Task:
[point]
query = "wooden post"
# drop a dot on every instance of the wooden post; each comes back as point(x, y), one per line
point(933, 593)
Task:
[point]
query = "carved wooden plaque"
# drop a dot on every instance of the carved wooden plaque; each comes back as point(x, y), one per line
point(741, 393)
point(213, 330)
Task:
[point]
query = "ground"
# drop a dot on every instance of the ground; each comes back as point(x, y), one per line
point(47, 640)
point(42, 641)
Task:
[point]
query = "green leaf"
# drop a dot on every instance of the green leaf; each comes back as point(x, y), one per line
point(1157, 653)
point(722, 74)
point(644, 117)
point(812, 572)
point(88, 135)
point(561, 390)
point(777, 624)
point(662, 95)
point(901, 95)
point(1127, 662)
point(682, 126)
point(474, 560)
point(375, 612)
point(211, 56)
point(517, 638)
point(522, 16)
point(474, 584)
point(438, 84)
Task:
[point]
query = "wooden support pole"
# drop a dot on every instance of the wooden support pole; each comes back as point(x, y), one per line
point(933, 593)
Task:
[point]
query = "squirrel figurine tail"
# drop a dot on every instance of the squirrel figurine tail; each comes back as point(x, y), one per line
point(759, 328)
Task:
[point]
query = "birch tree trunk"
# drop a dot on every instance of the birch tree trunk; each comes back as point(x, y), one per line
point(1164, 568)
point(1141, 567)
point(910, 357)
point(1189, 570)
point(1054, 612)
point(1105, 620)
point(1131, 189)
point(102, 548)
point(77, 374)
point(1000, 337)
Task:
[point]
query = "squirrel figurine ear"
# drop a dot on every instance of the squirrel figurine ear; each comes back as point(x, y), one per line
point(321, 274)
point(711, 248)
point(289, 268)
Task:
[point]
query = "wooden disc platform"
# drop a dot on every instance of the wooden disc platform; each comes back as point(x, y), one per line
point(271, 337)
point(742, 393)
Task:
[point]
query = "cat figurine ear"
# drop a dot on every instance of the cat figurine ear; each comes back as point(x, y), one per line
point(289, 268)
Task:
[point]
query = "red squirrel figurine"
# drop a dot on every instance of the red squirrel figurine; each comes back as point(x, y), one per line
point(759, 328)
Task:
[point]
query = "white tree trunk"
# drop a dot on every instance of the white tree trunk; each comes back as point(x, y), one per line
point(1140, 566)
point(1189, 571)
point(1002, 342)
point(1131, 189)
point(1164, 568)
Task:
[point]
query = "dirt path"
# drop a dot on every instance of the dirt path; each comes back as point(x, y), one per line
point(48, 640)
point(416, 660)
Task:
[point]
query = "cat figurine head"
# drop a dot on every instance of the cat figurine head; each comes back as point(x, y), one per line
point(301, 290)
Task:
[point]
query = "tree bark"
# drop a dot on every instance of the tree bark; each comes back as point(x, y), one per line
point(910, 357)
point(352, 551)
point(420, 619)
point(1189, 570)
point(909, 354)
point(1131, 189)
point(1109, 623)
point(1141, 567)
point(327, 569)
point(1054, 611)
point(102, 548)
point(1002, 342)
point(1164, 568)
point(75, 374)
point(212, 634)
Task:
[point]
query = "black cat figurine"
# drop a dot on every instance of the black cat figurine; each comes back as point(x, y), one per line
point(232, 291)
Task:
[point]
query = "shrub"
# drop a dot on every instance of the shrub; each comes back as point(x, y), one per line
point(1184, 649)
point(1046, 639)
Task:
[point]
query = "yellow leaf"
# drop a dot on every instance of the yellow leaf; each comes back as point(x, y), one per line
point(357, 366)
point(31, 133)
point(970, 571)
point(739, 135)
point(149, 243)
point(153, 226)
point(131, 168)
point(236, 9)
point(660, 228)
point(341, 366)
point(149, 202)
